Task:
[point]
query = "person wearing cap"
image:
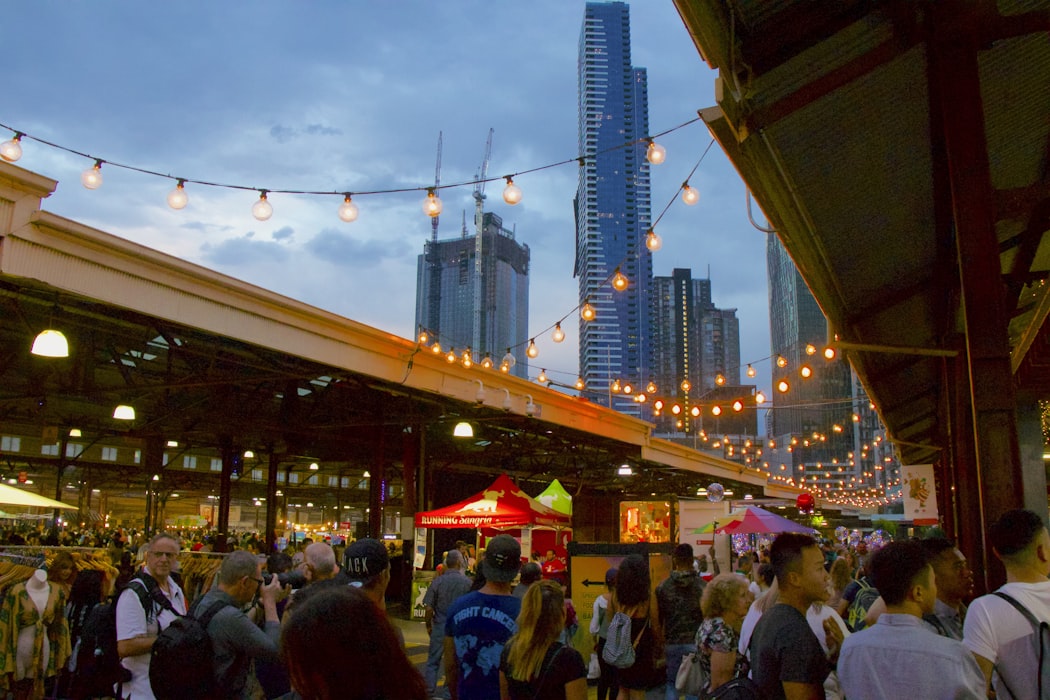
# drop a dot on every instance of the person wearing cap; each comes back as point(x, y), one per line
point(608, 687)
point(366, 564)
point(479, 623)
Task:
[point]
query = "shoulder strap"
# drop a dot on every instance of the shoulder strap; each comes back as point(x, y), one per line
point(640, 633)
point(210, 612)
point(151, 592)
point(1039, 627)
point(546, 669)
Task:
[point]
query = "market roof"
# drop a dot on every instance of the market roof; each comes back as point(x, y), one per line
point(840, 117)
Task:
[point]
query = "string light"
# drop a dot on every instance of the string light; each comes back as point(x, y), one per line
point(686, 386)
point(467, 358)
point(829, 353)
point(783, 386)
point(716, 410)
point(508, 360)
point(580, 384)
point(782, 361)
point(486, 362)
point(810, 349)
point(587, 312)
point(650, 388)
point(558, 334)
point(655, 153)
point(690, 195)
point(423, 337)
point(92, 177)
point(760, 398)
point(436, 348)
point(532, 351)
point(542, 376)
point(451, 356)
point(806, 371)
point(653, 241)
point(619, 281)
point(348, 210)
point(177, 198)
point(511, 193)
point(262, 210)
point(720, 380)
point(750, 371)
point(432, 204)
point(11, 150)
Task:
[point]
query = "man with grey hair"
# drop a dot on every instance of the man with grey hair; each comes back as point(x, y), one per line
point(442, 591)
point(235, 639)
point(141, 614)
point(320, 565)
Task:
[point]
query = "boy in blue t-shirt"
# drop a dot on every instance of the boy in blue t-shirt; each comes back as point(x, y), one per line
point(479, 623)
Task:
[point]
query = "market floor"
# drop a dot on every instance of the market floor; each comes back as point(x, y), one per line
point(417, 643)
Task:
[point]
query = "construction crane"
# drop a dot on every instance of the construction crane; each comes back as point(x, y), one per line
point(434, 262)
point(479, 199)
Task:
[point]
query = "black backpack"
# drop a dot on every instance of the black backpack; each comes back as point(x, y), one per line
point(182, 663)
point(98, 667)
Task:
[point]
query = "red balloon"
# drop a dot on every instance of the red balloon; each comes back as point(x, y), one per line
point(805, 502)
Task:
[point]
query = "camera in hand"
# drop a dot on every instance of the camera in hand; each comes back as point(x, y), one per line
point(295, 579)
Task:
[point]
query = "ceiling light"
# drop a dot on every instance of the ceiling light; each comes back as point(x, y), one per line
point(463, 429)
point(75, 432)
point(124, 412)
point(248, 454)
point(172, 443)
point(366, 475)
point(314, 466)
point(625, 470)
point(50, 343)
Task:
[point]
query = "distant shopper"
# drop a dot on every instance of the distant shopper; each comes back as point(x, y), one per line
point(608, 686)
point(726, 601)
point(678, 600)
point(646, 678)
point(441, 594)
point(530, 574)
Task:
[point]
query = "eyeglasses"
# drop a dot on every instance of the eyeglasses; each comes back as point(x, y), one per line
point(169, 555)
point(259, 582)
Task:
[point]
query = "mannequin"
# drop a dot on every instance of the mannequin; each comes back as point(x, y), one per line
point(34, 635)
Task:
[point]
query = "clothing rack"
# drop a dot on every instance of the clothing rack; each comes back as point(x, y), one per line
point(25, 559)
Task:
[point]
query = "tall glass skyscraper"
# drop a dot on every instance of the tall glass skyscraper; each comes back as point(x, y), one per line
point(612, 205)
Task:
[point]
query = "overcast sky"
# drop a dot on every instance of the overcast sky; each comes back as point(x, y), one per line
point(338, 95)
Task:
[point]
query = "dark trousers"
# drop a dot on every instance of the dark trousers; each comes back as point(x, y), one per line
point(608, 685)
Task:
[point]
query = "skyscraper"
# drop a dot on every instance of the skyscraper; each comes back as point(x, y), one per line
point(693, 341)
point(445, 274)
point(612, 204)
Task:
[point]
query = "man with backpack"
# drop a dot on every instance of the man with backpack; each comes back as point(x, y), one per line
point(234, 639)
point(151, 601)
point(1007, 631)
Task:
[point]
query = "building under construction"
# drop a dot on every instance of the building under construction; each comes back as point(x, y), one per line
point(445, 293)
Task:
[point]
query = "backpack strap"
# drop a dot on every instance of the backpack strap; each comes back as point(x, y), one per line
point(1039, 627)
point(210, 612)
point(149, 591)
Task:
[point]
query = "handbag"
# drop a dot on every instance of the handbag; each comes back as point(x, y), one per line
point(594, 669)
point(691, 678)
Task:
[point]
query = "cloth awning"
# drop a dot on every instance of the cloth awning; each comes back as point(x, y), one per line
point(502, 504)
point(10, 496)
point(555, 496)
point(757, 520)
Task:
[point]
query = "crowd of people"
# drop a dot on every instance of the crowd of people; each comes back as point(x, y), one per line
point(792, 621)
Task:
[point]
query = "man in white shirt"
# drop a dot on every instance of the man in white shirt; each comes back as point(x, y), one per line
point(138, 622)
point(998, 635)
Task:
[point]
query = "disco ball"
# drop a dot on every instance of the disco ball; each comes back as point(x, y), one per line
point(716, 492)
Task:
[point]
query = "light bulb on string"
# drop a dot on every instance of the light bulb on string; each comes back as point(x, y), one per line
point(92, 177)
point(720, 380)
point(653, 241)
point(486, 362)
point(177, 198)
point(806, 371)
point(511, 193)
point(542, 377)
point(782, 361)
point(348, 210)
point(579, 384)
point(619, 281)
point(750, 371)
point(467, 358)
point(532, 351)
point(509, 360)
point(811, 349)
point(738, 405)
point(690, 195)
point(432, 204)
point(587, 312)
point(11, 150)
point(557, 335)
point(423, 338)
point(451, 356)
point(262, 210)
point(686, 386)
point(655, 153)
point(436, 348)
point(716, 410)
point(783, 386)
point(650, 388)
point(760, 398)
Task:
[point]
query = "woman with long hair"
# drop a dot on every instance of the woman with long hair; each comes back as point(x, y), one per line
point(337, 644)
point(534, 664)
point(646, 679)
point(725, 603)
point(841, 575)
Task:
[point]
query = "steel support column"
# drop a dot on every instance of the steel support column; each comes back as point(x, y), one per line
point(227, 452)
point(377, 487)
point(271, 501)
point(993, 475)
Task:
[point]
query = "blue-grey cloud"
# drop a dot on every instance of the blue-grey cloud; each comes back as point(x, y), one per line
point(283, 233)
point(203, 226)
point(340, 248)
point(284, 134)
point(243, 251)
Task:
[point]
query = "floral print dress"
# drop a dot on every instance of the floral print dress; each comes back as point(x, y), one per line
point(715, 635)
point(20, 612)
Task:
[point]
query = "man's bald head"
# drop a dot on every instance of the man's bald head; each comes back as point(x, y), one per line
point(320, 559)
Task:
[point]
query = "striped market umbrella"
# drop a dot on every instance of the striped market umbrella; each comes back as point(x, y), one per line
point(755, 520)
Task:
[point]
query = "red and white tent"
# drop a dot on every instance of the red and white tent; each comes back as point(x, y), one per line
point(501, 505)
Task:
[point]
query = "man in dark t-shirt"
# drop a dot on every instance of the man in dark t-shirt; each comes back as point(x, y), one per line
point(786, 657)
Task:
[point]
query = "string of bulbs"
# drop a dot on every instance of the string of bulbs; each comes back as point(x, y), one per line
point(262, 209)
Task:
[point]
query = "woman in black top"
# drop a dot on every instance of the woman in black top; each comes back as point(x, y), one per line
point(534, 665)
point(647, 676)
